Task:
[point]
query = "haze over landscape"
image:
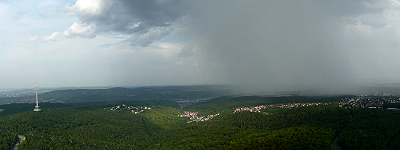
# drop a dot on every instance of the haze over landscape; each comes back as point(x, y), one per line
point(200, 74)
point(259, 45)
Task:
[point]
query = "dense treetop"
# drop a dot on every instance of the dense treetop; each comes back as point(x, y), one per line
point(312, 127)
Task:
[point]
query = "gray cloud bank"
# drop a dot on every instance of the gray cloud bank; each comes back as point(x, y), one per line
point(267, 45)
point(299, 45)
point(146, 21)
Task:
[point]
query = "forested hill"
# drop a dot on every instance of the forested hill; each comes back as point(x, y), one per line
point(227, 102)
point(203, 92)
point(293, 122)
point(140, 93)
point(161, 128)
point(14, 108)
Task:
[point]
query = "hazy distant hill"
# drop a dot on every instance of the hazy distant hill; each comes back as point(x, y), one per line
point(204, 92)
point(140, 93)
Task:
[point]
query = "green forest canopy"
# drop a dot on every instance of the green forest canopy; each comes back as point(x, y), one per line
point(312, 127)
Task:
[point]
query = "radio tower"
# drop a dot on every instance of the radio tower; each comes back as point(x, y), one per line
point(37, 102)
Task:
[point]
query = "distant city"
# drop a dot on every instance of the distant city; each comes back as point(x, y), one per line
point(370, 102)
point(17, 94)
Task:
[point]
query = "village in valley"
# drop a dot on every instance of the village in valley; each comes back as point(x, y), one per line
point(194, 118)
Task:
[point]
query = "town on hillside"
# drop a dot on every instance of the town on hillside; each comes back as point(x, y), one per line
point(289, 105)
point(133, 109)
point(194, 118)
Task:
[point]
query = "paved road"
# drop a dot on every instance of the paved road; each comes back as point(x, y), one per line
point(335, 144)
point(21, 139)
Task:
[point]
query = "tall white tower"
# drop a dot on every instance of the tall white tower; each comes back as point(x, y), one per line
point(37, 101)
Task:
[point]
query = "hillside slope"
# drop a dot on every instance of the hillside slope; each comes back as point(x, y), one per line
point(312, 127)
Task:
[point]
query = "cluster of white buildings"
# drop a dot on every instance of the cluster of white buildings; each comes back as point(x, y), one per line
point(251, 109)
point(188, 114)
point(289, 105)
point(193, 116)
point(294, 105)
point(133, 109)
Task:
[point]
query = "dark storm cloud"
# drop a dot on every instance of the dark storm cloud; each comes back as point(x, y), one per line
point(279, 45)
point(262, 45)
point(146, 20)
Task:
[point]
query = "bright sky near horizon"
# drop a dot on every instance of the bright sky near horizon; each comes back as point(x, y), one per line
point(259, 45)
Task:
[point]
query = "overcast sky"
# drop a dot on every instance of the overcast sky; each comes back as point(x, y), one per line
point(258, 45)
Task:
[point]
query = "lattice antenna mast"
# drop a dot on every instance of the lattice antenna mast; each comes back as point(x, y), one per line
point(37, 101)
